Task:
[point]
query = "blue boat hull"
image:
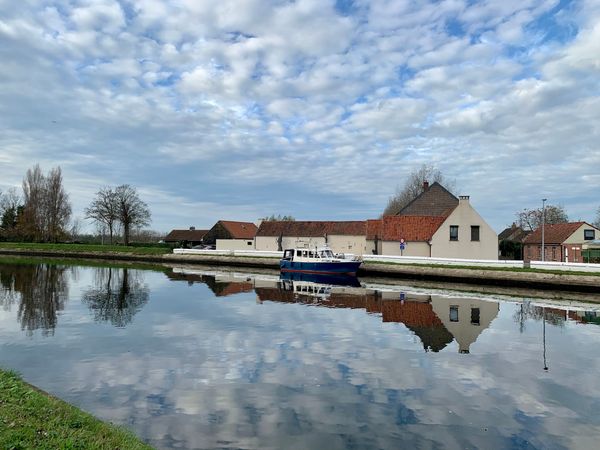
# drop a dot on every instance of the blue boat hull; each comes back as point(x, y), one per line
point(334, 268)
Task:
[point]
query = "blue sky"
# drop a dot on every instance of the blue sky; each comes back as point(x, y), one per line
point(314, 108)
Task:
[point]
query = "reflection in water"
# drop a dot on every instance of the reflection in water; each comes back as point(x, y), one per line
point(40, 290)
point(432, 318)
point(117, 295)
point(299, 364)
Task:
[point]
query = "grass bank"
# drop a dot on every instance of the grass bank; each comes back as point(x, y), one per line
point(30, 419)
point(85, 248)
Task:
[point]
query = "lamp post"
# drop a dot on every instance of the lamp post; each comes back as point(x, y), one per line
point(543, 227)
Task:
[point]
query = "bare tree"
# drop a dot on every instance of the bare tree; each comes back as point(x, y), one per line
point(413, 187)
point(597, 221)
point(33, 197)
point(531, 219)
point(104, 209)
point(132, 211)
point(278, 218)
point(57, 207)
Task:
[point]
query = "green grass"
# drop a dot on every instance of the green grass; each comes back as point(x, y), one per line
point(31, 419)
point(84, 248)
point(53, 260)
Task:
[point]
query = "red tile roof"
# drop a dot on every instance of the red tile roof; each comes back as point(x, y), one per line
point(239, 230)
point(409, 228)
point(554, 233)
point(312, 228)
point(374, 227)
point(185, 235)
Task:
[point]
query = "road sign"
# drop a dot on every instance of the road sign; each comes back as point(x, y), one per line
point(402, 240)
point(402, 245)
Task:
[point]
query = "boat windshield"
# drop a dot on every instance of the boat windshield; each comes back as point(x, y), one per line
point(326, 254)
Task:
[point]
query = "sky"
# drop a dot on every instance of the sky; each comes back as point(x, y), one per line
point(317, 109)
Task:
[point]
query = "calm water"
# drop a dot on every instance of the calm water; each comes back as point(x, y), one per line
point(192, 359)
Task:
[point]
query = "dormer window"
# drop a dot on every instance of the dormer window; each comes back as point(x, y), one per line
point(589, 235)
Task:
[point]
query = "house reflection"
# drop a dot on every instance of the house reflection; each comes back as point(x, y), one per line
point(39, 290)
point(435, 320)
point(117, 296)
point(465, 319)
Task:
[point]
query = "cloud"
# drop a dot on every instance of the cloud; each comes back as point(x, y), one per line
point(239, 99)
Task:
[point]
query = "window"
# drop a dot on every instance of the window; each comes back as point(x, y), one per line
point(475, 313)
point(474, 232)
point(298, 253)
point(589, 235)
point(249, 242)
point(454, 314)
point(454, 232)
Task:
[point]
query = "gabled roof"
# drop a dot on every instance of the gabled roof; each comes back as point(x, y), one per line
point(409, 228)
point(312, 228)
point(239, 230)
point(554, 233)
point(185, 235)
point(513, 233)
point(435, 200)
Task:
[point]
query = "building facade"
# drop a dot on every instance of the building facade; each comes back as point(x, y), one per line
point(563, 242)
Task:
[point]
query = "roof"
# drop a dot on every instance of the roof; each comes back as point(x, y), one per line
point(239, 230)
point(185, 235)
point(409, 228)
point(513, 233)
point(433, 201)
point(553, 233)
point(312, 228)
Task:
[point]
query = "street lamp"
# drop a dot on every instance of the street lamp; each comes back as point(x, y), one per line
point(543, 227)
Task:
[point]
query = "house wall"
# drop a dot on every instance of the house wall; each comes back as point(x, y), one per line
point(464, 215)
point(338, 243)
point(411, 248)
point(348, 244)
point(578, 236)
point(469, 318)
point(552, 252)
point(235, 244)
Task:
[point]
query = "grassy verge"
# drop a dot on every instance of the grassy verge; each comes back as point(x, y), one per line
point(85, 248)
point(35, 260)
point(31, 419)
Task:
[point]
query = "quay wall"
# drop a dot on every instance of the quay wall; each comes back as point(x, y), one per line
point(507, 277)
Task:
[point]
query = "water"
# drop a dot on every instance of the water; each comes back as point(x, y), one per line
point(200, 359)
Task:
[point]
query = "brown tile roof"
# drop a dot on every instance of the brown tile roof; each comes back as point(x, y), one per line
point(239, 230)
point(513, 233)
point(553, 233)
point(409, 228)
point(185, 235)
point(312, 228)
point(435, 201)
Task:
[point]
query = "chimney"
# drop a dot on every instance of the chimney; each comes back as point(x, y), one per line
point(463, 199)
point(425, 185)
point(192, 228)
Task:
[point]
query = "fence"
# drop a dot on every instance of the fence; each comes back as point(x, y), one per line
point(412, 260)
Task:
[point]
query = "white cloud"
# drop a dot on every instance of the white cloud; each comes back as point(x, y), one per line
point(251, 94)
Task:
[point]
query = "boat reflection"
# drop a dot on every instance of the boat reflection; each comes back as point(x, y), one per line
point(324, 279)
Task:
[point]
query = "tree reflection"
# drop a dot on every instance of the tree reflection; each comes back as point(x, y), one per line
point(40, 290)
point(528, 311)
point(117, 296)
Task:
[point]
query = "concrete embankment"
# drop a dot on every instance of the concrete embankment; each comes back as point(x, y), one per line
point(538, 279)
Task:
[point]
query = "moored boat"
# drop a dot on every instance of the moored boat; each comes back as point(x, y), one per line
point(321, 260)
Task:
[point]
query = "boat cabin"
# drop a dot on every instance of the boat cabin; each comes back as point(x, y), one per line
point(307, 255)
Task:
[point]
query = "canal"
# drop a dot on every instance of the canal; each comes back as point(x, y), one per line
point(207, 358)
